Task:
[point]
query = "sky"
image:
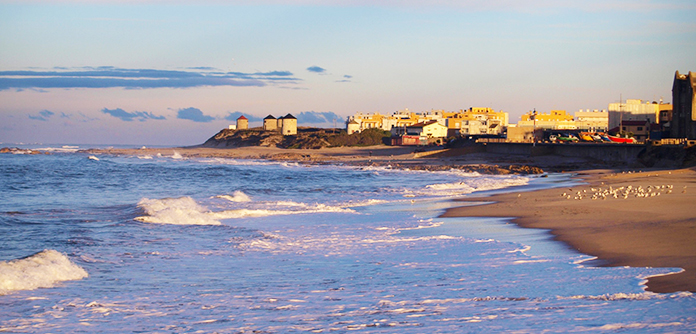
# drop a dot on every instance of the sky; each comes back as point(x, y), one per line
point(162, 72)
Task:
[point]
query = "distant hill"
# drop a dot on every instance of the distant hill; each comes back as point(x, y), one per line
point(306, 138)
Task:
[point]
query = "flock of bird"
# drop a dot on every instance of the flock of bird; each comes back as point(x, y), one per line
point(621, 192)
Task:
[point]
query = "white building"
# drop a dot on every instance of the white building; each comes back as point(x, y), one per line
point(428, 129)
point(633, 110)
point(593, 121)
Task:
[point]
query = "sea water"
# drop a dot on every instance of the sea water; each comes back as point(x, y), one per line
point(166, 244)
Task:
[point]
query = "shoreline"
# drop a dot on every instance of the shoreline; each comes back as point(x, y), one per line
point(631, 229)
point(657, 231)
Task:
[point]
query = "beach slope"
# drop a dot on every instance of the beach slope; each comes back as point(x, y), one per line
point(644, 219)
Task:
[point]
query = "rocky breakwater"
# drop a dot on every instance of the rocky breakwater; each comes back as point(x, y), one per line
point(490, 169)
point(16, 150)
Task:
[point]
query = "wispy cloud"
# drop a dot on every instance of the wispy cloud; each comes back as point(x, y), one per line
point(316, 69)
point(109, 77)
point(130, 116)
point(194, 114)
point(43, 115)
point(346, 78)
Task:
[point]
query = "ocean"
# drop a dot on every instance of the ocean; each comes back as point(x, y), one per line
point(164, 244)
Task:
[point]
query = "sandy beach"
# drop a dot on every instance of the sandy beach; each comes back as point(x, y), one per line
point(650, 224)
point(640, 219)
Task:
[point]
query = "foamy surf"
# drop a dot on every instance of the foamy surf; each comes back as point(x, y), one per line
point(175, 211)
point(471, 185)
point(186, 211)
point(41, 270)
point(254, 213)
point(237, 196)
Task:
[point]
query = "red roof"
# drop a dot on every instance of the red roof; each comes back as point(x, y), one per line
point(241, 117)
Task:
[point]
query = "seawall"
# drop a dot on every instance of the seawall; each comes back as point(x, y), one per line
point(624, 153)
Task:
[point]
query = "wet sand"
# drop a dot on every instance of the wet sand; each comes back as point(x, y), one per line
point(635, 228)
point(653, 231)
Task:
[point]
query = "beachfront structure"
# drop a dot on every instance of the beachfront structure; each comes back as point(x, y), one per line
point(592, 121)
point(683, 124)
point(476, 121)
point(352, 127)
point(634, 110)
point(427, 129)
point(554, 120)
point(472, 121)
point(524, 134)
point(242, 123)
point(270, 123)
point(639, 129)
point(288, 125)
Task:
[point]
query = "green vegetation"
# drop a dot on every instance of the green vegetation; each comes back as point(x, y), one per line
point(367, 137)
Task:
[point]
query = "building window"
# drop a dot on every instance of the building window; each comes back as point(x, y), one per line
point(640, 128)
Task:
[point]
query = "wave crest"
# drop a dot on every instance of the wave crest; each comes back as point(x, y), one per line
point(176, 211)
point(237, 196)
point(41, 270)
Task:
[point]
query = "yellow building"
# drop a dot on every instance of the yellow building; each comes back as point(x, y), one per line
point(470, 121)
point(555, 119)
point(476, 121)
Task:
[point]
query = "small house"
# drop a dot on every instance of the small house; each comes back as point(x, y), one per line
point(270, 123)
point(288, 125)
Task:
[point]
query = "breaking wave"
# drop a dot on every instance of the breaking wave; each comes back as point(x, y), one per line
point(41, 270)
point(176, 211)
point(186, 211)
point(238, 196)
point(474, 184)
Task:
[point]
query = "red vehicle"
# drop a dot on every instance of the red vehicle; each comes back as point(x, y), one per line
point(621, 139)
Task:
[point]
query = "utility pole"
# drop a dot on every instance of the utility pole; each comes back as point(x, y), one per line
point(534, 130)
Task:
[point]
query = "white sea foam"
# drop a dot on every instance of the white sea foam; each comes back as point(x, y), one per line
point(367, 202)
point(176, 211)
point(41, 270)
point(638, 325)
point(470, 185)
point(176, 155)
point(249, 162)
point(145, 157)
point(237, 196)
point(420, 226)
point(631, 296)
point(186, 211)
point(301, 209)
point(521, 250)
point(62, 149)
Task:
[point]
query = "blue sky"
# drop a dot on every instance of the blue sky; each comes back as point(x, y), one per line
point(171, 72)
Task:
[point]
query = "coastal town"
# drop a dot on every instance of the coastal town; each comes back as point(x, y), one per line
point(633, 121)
